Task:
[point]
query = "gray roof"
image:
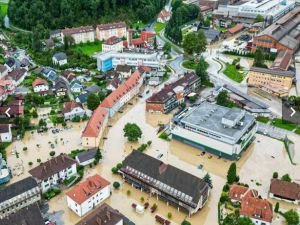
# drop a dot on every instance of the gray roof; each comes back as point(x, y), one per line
point(17, 188)
point(167, 174)
point(212, 34)
point(208, 118)
point(30, 215)
point(4, 128)
point(273, 72)
point(93, 89)
point(60, 56)
point(86, 155)
point(82, 98)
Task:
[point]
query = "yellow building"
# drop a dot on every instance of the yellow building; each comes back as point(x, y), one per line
point(276, 82)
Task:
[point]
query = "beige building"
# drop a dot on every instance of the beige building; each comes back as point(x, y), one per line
point(276, 82)
point(105, 31)
point(80, 34)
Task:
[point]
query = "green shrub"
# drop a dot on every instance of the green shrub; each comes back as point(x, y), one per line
point(52, 153)
point(275, 175)
point(116, 185)
point(114, 170)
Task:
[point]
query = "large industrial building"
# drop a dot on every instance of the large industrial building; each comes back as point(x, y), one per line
point(281, 35)
point(109, 60)
point(219, 130)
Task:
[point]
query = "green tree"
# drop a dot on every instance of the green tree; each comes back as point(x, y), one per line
point(231, 174)
point(292, 217)
point(189, 43)
point(167, 48)
point(185, 222)
point(222, 98)
point(201, 70)
point(286, 177)
point(93, 101)
point(201, 42)
point(259, 18)
point(259, 59)
point(275, 175)
point(98, 156)
point(155, 43)
point(132, 132)
point(208, 180)
point(116, 185)
point(276, 207)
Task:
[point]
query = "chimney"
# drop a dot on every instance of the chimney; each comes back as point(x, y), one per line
point(98, 220)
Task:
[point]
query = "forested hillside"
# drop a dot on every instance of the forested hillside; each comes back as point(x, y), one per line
point(54, 14)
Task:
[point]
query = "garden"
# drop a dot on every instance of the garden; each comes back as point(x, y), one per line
point(89, 48)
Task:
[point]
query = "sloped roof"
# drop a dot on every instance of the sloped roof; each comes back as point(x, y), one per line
point(86, 189)
point(77, 30)
point(289, 190)
point(86, 155)
point(39, 81)
point(109, 26)
point(60, 56)
point(92, 128)
point(236, 28)
point(237, 192)
point(69, 106)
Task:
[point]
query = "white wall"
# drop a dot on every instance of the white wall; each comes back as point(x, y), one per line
point(90, 203)
point(40, 88)
point(75, 112)
point(6, 137)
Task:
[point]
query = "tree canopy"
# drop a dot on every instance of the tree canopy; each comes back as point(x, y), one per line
point(55, 14)
point(235, 219)
point(194, 42)
point(259, 59)
point(93, 101)
point(132, 132)
point(231, 175)
point(292, 217)
point(201, 70)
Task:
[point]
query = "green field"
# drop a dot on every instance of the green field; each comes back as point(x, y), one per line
point(262, 119)
point(231, 72)
point(138, 24)
point(189, 64)
point(159, 27)
point(3, 7)
point(284, 124)
point(89, 48)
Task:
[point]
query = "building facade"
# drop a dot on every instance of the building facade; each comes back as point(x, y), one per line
point(216, 129)
point(40, 85)
point(73, 109)
point(105, 31)
point(19, 195)
point(86, 195)
point(276, 82)
point(5, 133)
point(80, 34)
point(54, 171)
point(112, 44)
point(168, 183)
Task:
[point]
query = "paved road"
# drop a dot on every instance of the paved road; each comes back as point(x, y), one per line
point(271, 131)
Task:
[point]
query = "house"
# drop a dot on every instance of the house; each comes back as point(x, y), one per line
point(124, 70)
point(30, 215)
point(94, 129)
point(5, 133)
point(87, 157)
point(52, 172)
point(260, 211)
point(104, 213)
point(93, 89)
point(238, 192)
point(285, 191)
point(112, 44)
point(76, 86)
point(114, 83)
point(40, 85)
point(171, 95)
point(283, 60)
point(82, 98)
point(212, 35)
point(236, 29)
point(175, 186)
point(86, 195)
point(60, 88)
point(19, 195)
point(123, 94)
point(105, 31)
point(49, 43)
point(164, 16)
point(72, 109)
point(4, 71)
point(16, 75)
point(277, 82)
point(69, 75)
point(82, 34)
point(10, 63)
point(60, 59)
point(84, 78)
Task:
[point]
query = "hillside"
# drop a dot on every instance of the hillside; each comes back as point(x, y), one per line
point(53, 14)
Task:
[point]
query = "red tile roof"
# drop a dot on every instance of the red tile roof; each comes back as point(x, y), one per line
point(39, 81)
point(283, 60)
point(164, 13)
point(86, 189)
point(236, 28)
point(114, 97)
point(69, 106)
point(284, 189)
point(257, 208)
point(12, 110)
point(92, 128)
point(237, 192)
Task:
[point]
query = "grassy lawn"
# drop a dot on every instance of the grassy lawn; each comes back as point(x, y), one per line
point(189, 64)
point(138, 24)
point(3, 7)
point(262, 119)
point(89, 48)
point(284, 124)
point(231, 72)
point(222, 29)
point(159, 27)
point(297, 131)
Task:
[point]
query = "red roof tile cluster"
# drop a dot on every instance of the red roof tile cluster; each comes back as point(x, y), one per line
point(86, 189)
point(123, 89)
point(39, 81)
point(92, 129)
point(236, 28)
point(238, 192)
point(283, 60)
point(257, 208)
point(285, 189)
point(112, 40)
point(145, 37)
point(69, 106)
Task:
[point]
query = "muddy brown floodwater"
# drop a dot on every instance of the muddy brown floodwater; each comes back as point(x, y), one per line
point(256, 165)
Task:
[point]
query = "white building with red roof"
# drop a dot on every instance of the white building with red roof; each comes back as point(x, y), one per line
point(94, 129)
point(86, 195)
point(40, 85)
point(164, 16)
point(73, 109)
point(112, 44)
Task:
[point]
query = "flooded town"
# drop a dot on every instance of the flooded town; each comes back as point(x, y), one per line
point(149, 112)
